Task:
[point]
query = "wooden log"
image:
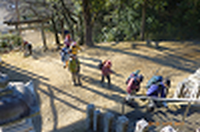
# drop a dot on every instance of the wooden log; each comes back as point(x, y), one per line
point(97, 121)
point(171, 100)
point(108, 122)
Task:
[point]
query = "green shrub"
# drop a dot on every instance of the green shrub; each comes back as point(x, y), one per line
point(10, 40)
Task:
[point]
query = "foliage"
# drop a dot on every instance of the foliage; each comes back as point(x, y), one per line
point(177, 20)
point(118, 20)
point(10, 41)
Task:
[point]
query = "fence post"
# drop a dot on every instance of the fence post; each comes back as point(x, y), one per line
point(168, 129)
point(122, 124)
point(89, 118)
point(97, 120)
point(141, 126)
point(197, 130)
point(108, 122)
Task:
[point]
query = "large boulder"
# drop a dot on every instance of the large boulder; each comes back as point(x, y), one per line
point(189, 87)
point(17, 100)
point(3, 80)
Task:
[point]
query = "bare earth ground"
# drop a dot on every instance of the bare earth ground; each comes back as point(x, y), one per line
point(63, 105)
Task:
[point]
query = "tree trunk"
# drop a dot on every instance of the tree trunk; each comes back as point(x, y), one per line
point(43, 37)
point(88, 23)
point(142, 32)
point(80, 31)
point(56, 33)
point(67, 16)
point(62, 28)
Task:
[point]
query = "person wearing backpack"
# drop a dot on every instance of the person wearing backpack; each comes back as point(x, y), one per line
point(65, 54)
point(106, 71)
point(132, 75)
point(133, 85)
point(74, 68)
point(158, 90)
point(27, 47)
point(68, 40)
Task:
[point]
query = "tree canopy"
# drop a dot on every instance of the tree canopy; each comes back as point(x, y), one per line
point(123, 20)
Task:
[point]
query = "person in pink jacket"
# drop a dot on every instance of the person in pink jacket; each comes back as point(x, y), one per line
point(133, 86)
point(106, 71)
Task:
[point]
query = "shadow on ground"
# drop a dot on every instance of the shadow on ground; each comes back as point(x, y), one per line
point(18, 74)
point(176, 61)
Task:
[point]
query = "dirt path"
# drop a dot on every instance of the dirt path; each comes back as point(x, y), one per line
point(63, 105)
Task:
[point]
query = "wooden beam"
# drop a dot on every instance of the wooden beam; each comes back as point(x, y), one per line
point(26, 21)
point(166, 99)
point(29, 27)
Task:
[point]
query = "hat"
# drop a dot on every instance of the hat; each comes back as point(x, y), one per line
point(68, 36)
point(141, 77)
point(25, 42)
point(109, 63)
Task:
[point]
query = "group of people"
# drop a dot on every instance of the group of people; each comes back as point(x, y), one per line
point(69, 58)
point(156, 86)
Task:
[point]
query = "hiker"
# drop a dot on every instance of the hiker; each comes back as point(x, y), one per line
point(133, 85)
point(68, 40)
point(65, 54)
point(75, 48)
point(158, 90)
point(74, 68)
point(27, 47)
point(106, 71)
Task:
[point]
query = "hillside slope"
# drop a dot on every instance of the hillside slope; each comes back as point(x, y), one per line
point(63, 105)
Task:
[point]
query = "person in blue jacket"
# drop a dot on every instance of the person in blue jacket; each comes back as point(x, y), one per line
point(159, 90)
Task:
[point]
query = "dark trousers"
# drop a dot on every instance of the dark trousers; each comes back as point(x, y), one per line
point(108, 78)
point(76, 78)
point(28, 49)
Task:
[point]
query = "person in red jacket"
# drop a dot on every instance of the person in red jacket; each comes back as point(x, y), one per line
point(68, 40)
point(106, 71)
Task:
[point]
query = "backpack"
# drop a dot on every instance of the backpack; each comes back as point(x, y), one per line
point(100, 65)
point(133, 84)
point(154, 80)
point(133, 75)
